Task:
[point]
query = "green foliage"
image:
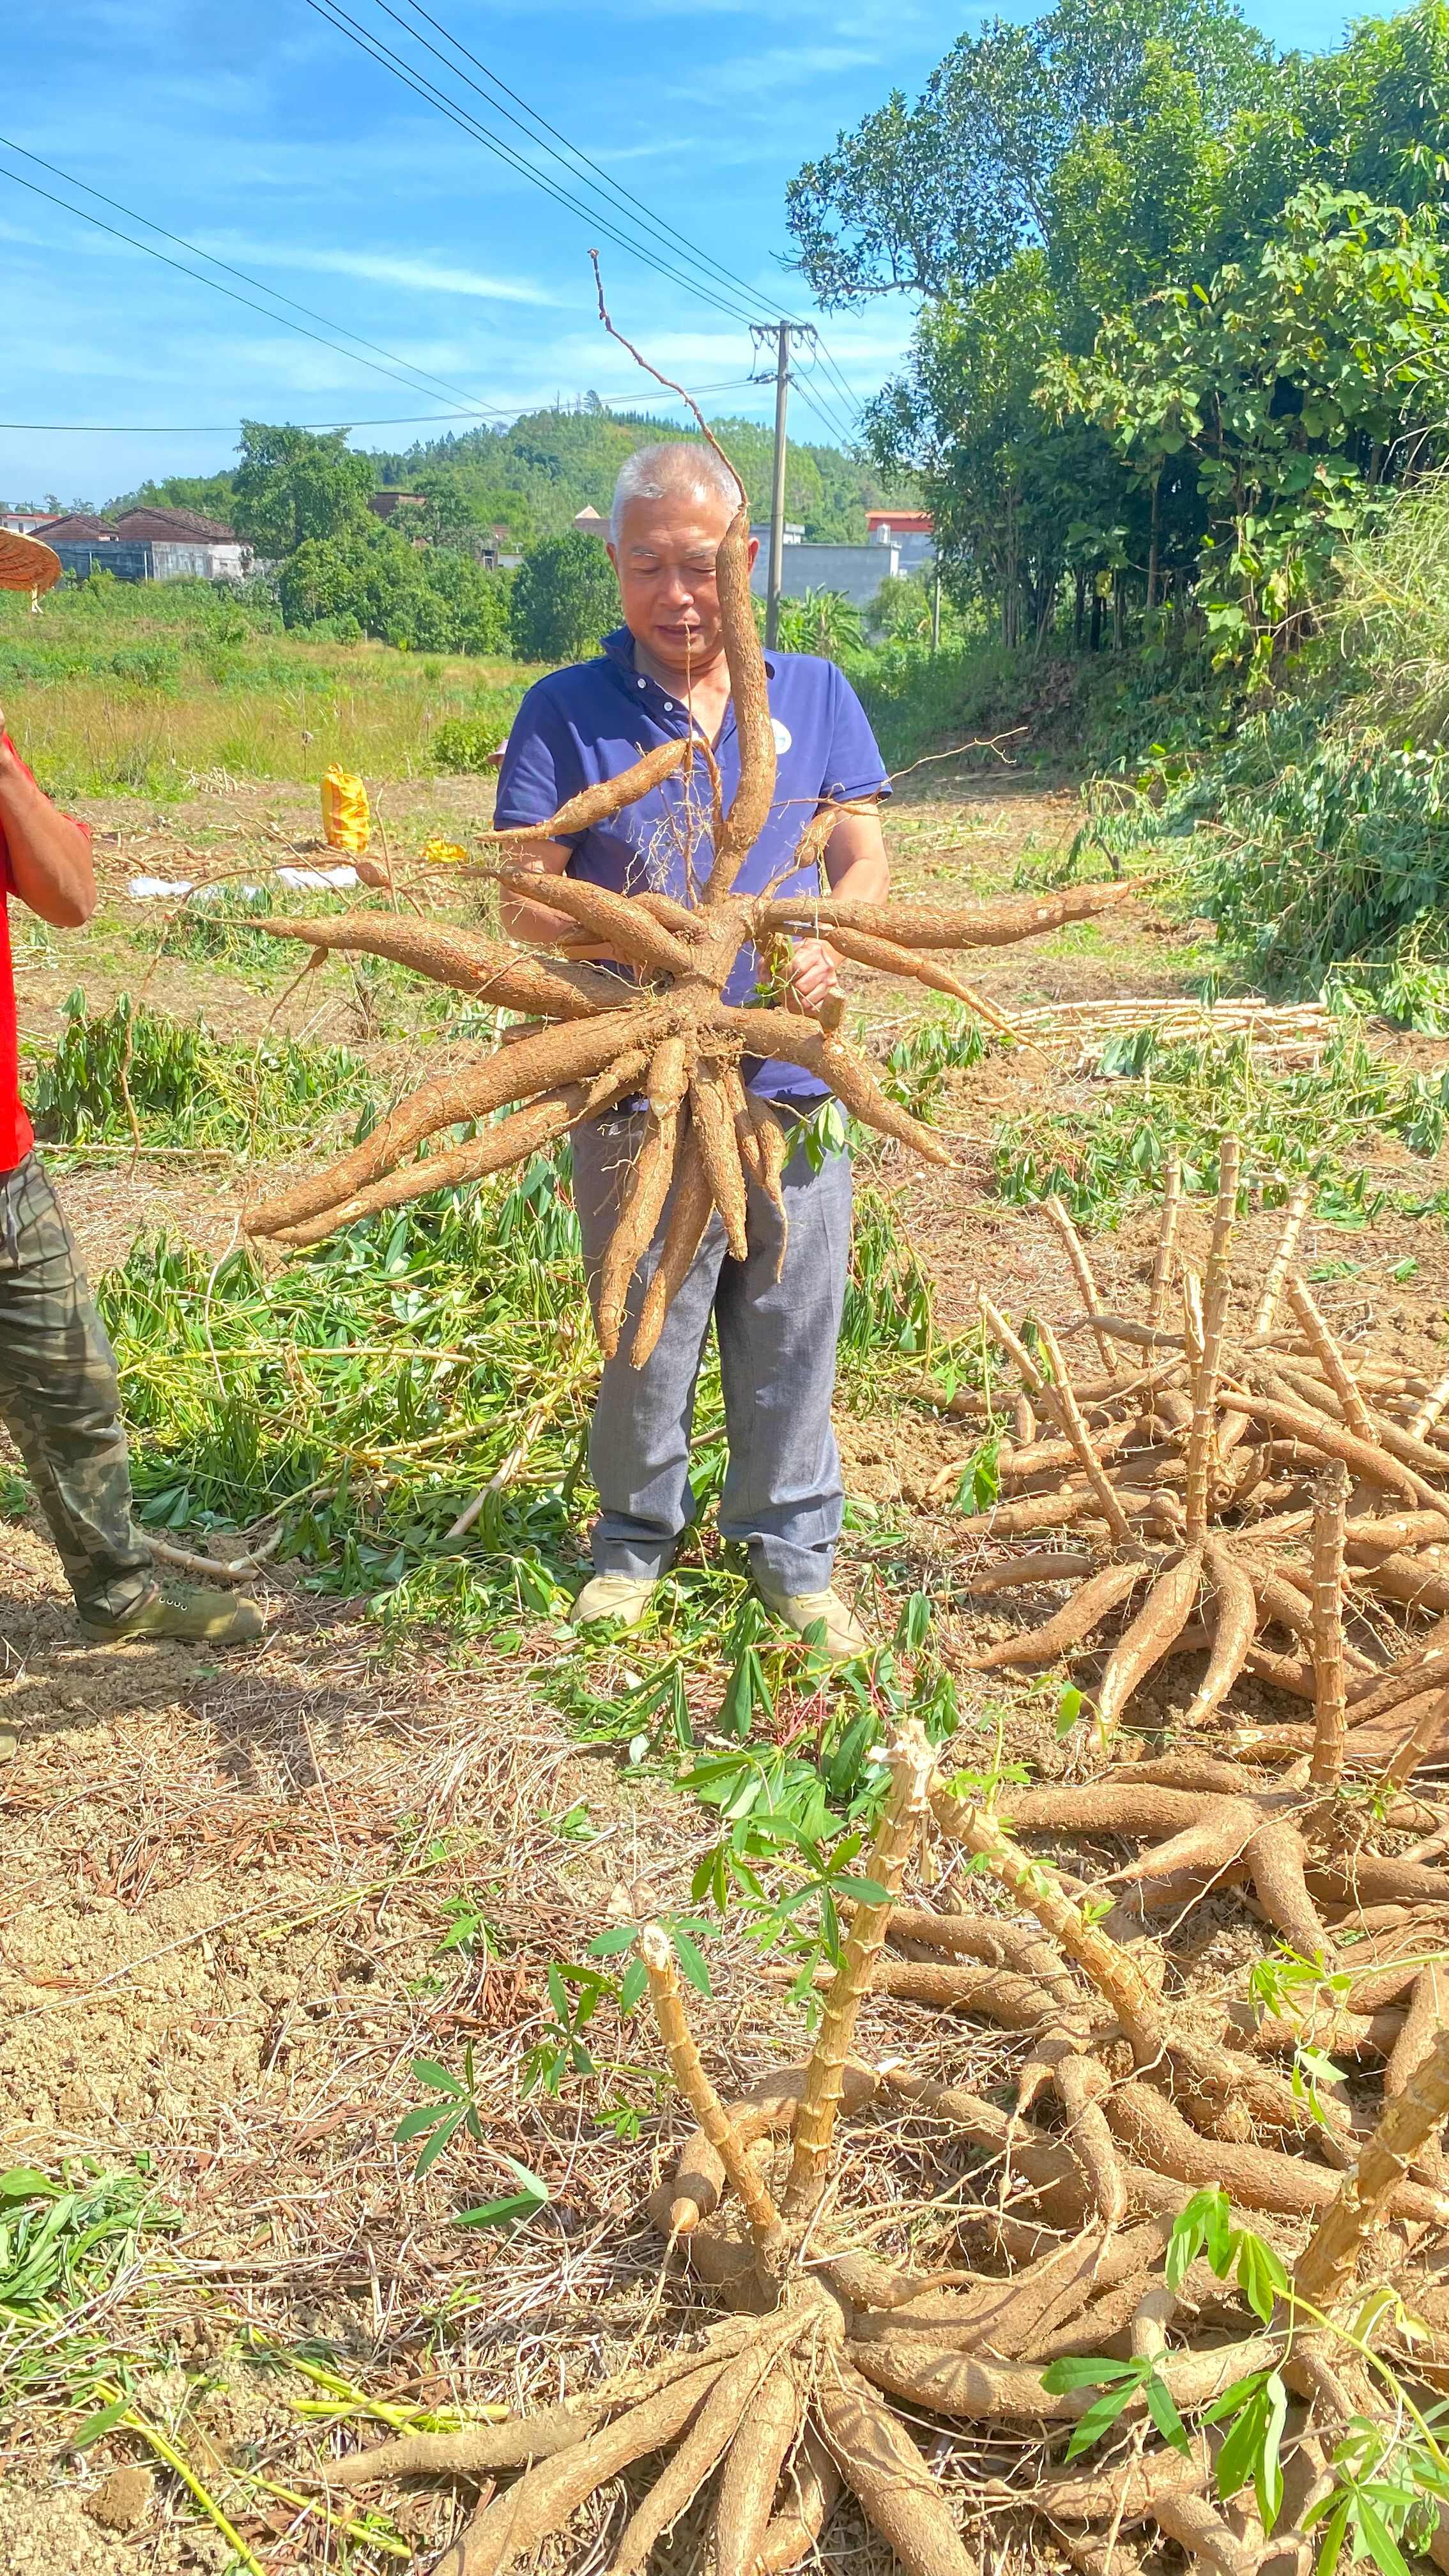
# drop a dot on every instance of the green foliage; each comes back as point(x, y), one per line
point(1316, 1123)
point(1177, 316)
point(188, 1085)
point(369, 580)
point(63, 2245)
point(1391, 615)
point(452, 2114)
point(1314, 844)
point(565, 598)
point(1288, 377)
point(946, 193)
point(468, 745)
point(296, 484)
point(823, 622)
point(533, 477)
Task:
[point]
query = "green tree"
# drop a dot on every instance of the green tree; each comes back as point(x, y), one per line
point(937, 198)
point(1291, 381)
point(424, 599)
point(564, 599)
point(293, 485)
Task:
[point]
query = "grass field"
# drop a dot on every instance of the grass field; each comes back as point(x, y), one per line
point(155, 690)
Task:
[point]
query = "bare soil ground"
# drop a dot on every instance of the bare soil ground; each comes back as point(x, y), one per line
point(228, 1881)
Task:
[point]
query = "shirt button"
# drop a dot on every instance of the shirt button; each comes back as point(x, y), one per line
point(669, 706)
point(641, 684)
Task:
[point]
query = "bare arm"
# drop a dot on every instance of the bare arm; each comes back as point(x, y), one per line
point(855, 865)
point(50, 856)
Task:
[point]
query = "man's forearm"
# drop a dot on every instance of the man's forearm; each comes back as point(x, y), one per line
point(50, 857)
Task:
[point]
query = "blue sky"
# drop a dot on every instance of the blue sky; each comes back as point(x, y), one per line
point(263, 135)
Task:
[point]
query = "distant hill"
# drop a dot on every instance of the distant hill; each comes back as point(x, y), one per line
point(533, 477)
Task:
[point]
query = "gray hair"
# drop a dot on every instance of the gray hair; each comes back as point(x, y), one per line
point(674, 466)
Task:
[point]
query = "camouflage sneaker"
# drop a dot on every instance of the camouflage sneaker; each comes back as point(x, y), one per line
point(196, 1611)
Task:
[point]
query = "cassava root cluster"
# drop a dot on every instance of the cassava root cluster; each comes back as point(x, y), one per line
point(827, 2352)
point(659, 1030)
point(1239, 1490)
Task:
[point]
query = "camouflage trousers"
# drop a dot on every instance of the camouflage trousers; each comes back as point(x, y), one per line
point(60, 1400)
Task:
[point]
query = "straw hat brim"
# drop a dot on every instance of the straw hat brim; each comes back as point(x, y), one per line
point(26, 564)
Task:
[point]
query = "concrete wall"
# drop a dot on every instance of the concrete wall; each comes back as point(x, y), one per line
point(855, 571)
point(175, 560)
point(156, 561)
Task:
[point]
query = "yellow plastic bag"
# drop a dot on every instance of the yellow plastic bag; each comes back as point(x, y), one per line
point(346, 820)
point(444, 854)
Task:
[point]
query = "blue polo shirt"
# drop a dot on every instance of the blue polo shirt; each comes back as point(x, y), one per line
point(585, 724)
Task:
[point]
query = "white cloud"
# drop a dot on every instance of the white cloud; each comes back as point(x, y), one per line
point(427, 276)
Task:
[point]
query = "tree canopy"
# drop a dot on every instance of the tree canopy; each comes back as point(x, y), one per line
point(1183, 303)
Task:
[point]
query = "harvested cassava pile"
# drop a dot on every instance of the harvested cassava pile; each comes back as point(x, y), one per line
point(823, 2357)
point(1240, 1491)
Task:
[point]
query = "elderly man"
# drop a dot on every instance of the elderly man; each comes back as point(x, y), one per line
point(663, 674)
point(59, 1398)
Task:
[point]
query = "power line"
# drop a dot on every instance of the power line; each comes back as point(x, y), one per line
point(417, 378)
point(219, 428)
point(632, 207)
point(424, 87)
point(390, 61)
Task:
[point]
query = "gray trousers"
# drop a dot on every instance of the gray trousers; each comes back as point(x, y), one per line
point(783, 1496)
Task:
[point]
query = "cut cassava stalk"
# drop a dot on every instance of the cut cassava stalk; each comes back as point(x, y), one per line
point(1325, 2269)
point(1283, 1252)
point(1062, 1401)
point(1326, 1351)
point(1040, 1890)
point(1081, 1268)
point(911, 1765)
point(1330, 1505)
point(657, 1952)
point(1166, 1238)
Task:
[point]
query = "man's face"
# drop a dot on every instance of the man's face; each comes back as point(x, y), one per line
point(665, 561)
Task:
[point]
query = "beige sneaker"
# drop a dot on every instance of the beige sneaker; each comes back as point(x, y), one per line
point(621, 1598)
point(843, 1634)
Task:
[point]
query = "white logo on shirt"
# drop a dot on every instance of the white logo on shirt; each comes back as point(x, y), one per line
point(782, 734)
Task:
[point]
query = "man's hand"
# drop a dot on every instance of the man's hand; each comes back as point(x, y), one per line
point(50, 856)
point(812, 975)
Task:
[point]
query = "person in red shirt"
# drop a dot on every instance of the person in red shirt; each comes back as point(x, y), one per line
point(59, 1396)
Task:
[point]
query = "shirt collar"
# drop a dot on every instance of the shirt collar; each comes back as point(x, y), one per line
point(619, 649)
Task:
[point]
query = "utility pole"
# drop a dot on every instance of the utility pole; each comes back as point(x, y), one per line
point(781, 333)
